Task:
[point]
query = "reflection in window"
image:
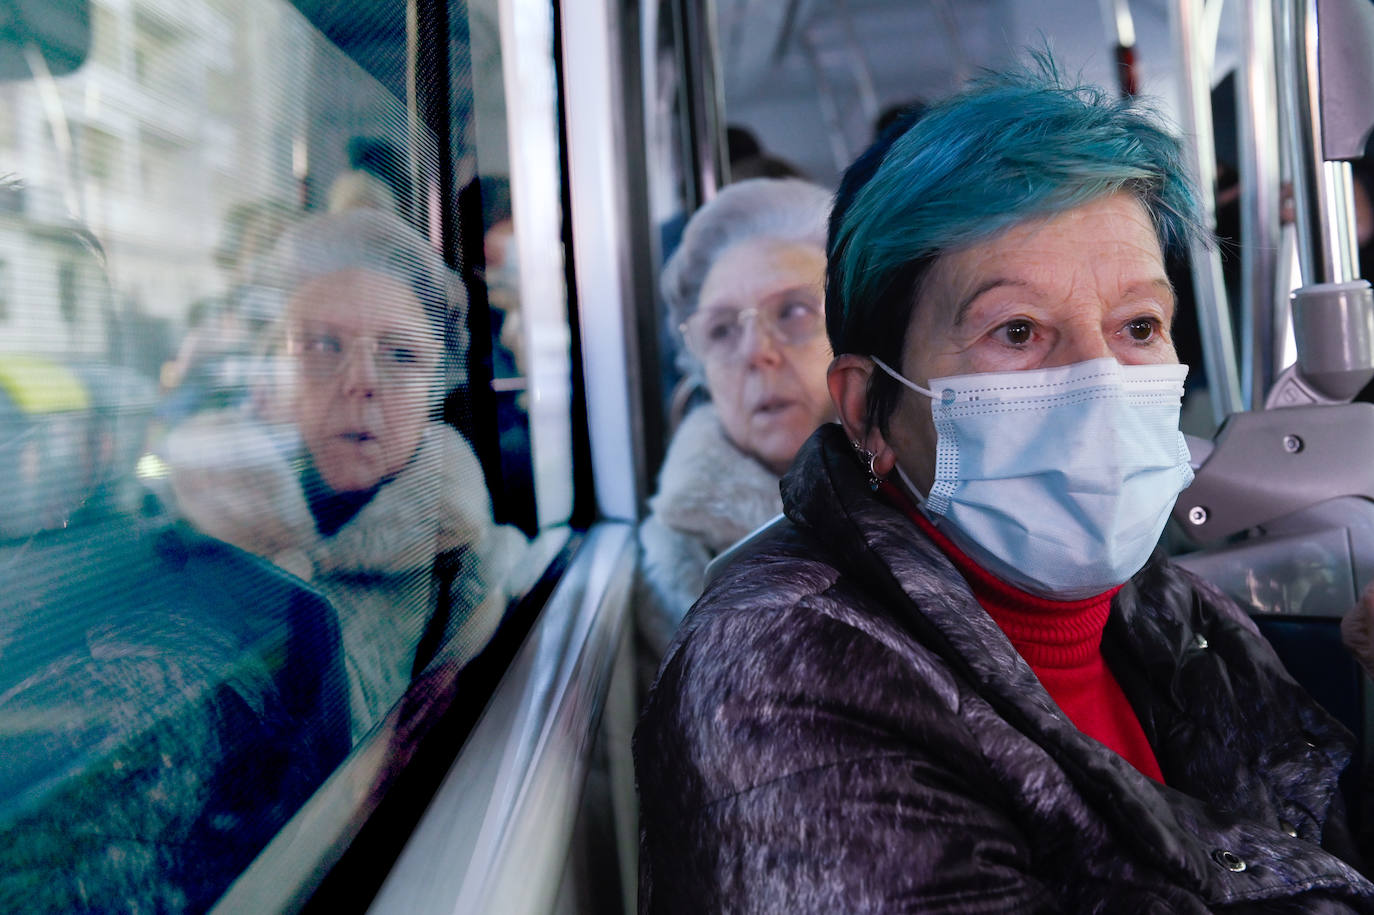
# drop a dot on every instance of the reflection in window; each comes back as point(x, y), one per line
point(238, 525)
point(100, 153)
point(66, 291)
point(106, 48)
point(334, 470)
point(156, 46)
point(7, 120)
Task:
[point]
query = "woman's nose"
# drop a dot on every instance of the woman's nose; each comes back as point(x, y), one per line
point(360, 372)
point(759, 345)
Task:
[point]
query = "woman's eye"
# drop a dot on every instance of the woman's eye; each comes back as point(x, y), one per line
point(401, 355)
point(1142, 330)
point(721, 329)
point(1017, 333)
point(798, 317)
point(323, 344)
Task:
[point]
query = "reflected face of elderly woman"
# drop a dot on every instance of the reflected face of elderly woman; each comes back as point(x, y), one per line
point(1078, 285)
point(759, 332)
point(367, 362)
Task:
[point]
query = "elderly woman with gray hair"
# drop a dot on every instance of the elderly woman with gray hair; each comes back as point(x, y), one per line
point(342, 476)
point(745, 291)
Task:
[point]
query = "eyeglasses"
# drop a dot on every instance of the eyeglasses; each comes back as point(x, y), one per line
point(324, 355)
point(717, 334)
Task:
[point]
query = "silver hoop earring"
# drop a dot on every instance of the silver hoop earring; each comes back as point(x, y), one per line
point(874, 479)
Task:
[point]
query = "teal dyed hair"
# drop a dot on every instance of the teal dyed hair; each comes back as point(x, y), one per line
point(1015, 146)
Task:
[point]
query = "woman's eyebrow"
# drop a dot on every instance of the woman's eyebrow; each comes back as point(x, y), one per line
point(1153, 287)
point(1145, 287)
point(986, 286)
point(720, 307)
point(314, 327)
point(810, 289)
point(405, 338)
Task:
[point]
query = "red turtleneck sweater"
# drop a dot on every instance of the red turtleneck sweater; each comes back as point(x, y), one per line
point(1062, 642)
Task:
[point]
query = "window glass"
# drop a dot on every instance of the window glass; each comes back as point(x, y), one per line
point(249, 430)
point(671, 188)
point(66, 291)
point(514, 139)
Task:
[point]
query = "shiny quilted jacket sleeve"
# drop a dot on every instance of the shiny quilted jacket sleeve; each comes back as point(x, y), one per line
point(774, 778)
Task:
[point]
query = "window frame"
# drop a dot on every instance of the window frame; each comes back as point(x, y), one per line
point(337, 850)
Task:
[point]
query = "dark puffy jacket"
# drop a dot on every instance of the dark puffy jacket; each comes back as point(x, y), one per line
point(840, 727)
point(167, 703)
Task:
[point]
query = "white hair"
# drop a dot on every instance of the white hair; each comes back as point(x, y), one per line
point(786, 209)
point(379, 242)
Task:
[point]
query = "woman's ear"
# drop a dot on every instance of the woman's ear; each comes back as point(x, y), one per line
point(848, 378)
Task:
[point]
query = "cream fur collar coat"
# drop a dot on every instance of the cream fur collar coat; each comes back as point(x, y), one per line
point(710, 494)
point(238, 481)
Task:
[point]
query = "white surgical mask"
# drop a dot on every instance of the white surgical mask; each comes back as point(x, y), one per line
point(1058, 480)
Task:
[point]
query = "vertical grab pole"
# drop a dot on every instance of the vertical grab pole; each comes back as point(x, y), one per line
point(1263, 312)
point(1322, 190)
point(1333, 312)
point(1214, 319)
point(704, 87)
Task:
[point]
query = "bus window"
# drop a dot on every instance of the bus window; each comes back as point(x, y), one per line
point(285, 454)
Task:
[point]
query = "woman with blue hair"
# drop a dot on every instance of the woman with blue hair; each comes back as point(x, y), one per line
point(957, 679)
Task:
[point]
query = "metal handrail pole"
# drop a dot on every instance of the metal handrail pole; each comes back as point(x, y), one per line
point(1214, 319)
point(1322, 191)
point(1260, 218)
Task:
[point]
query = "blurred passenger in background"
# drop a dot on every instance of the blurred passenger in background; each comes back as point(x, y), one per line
point(902, 115)
point(250, 232)
point(748, 158)
point(362, 493)
point(212, 365)
point(501, 270)
point(745, 290)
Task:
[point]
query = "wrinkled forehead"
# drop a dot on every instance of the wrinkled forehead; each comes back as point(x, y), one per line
point(754, 268)
point(359, 302)
point(1114, 232)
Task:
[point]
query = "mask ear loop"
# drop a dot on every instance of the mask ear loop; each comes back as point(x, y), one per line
point(911, 488)
point(898, 376)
